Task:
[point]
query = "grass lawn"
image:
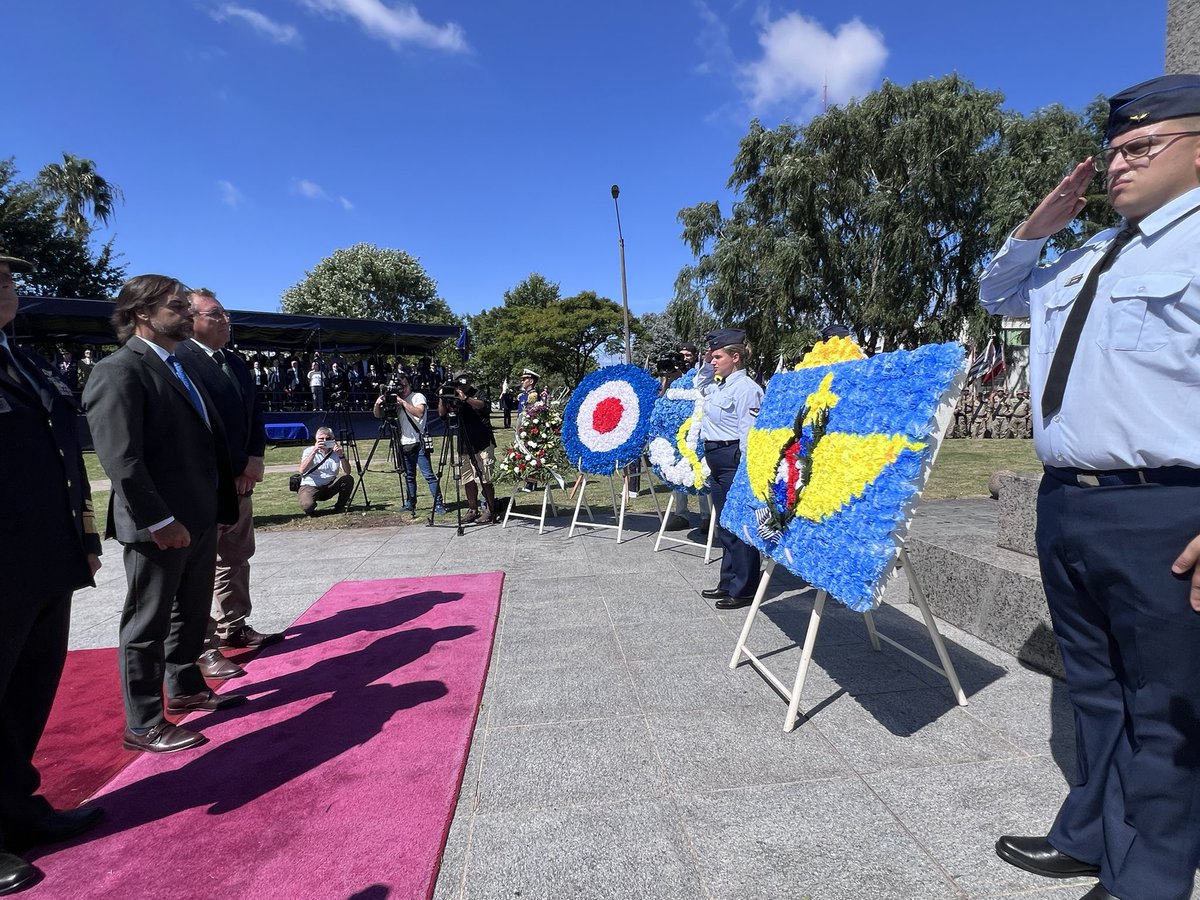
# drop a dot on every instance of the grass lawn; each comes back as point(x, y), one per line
point(963, 469)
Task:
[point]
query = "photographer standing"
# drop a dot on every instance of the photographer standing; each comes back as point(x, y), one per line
point(326, 472)
point(401, 404)
point(477, 445)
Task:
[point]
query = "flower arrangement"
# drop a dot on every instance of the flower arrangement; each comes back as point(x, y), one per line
point(607, 419)
point(834, 464)
point(676, 451)
point(536, 453)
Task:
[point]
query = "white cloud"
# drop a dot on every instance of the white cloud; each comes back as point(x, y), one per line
point(397, 25)
point(800, 58)
point(273, 31)
point(713, 41)
point(230, 195)
point(313, 191)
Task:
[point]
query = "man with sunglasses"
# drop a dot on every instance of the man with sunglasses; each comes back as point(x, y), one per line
point(1115, 378)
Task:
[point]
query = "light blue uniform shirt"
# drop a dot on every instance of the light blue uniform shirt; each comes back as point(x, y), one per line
point(730, 405)
point(1133, 396)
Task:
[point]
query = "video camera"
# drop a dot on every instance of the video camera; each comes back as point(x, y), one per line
point(390, 393)
point(669, 362)
point(448, 392)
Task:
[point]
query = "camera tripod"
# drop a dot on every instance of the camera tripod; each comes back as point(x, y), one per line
point(451, 454)
point(389, 428)
point(343, 430)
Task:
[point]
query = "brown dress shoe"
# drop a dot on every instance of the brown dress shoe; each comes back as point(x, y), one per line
point(162, 738)
point(245, 636)
point(205, 700)
point(213, 665)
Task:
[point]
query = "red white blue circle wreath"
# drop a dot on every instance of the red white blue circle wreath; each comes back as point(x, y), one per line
point(607, 419)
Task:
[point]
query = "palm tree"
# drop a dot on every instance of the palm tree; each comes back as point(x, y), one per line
point(77, 185)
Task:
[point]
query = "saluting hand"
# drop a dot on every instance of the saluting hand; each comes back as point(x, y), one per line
point(1187, 561)
point(1060, 207)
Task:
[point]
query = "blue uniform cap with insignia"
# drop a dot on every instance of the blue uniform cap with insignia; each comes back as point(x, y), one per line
point(837, 329)
point(1156, 100)
point(724, 337)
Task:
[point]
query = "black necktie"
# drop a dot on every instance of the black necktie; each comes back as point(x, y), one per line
point(223, 363)
point(1068, 341)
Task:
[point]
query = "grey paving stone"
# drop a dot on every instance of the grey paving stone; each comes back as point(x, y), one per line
point(625, 850)
point(688, 637)
point(654, 604)
point(957, 813)
point(530, 591)
point(907, 729)
point(690, 682)
point(581, 645)
point(562, 692)
point(572, 764)
point(1033, 713)
point(825, 840)
point(552, 613)
point(715, 749)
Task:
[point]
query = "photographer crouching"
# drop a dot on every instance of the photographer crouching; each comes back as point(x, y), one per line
point(461, 409)
point(398, 403)
point(324, 472)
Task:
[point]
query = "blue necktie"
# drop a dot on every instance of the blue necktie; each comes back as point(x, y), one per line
point(177, 368)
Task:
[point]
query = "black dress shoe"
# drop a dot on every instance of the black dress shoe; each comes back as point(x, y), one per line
point(1099, 892)
point(714, 594)
point(1038, 855)
point(215, 666)
point(206, 700)
point(245, 636)
point(734, 602)
point(16, 874)
point(57, 826)
point(162, 738)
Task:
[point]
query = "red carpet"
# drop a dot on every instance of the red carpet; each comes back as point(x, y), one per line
point(337, 780)
point(81, 748)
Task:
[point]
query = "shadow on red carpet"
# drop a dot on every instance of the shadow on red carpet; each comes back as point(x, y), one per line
point(338, 779)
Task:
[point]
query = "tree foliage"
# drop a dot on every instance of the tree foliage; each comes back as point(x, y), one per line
point(879, 215)
point(32, 226)
point(559, 337)
point(369, 282)
point(654, 337)
point(78, 188)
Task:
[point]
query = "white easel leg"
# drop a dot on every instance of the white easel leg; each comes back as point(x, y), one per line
point(810, 640)
point(763, 582)
point(662, 526)
point(712, 530)
point(871, 632)
point(581, 488)
point(914, 584)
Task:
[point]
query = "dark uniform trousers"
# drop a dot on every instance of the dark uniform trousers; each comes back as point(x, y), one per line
point(739, 560)
point(1130, 644)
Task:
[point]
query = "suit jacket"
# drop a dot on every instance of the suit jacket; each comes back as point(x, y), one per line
point(241, 411)
point(162, 458)
point(47, 529)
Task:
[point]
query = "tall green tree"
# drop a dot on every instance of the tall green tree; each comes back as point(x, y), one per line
point(655, 337)
point(502, 348)
point(82, 193)
point(878, 214)
point(369, 282)
point(68, 264)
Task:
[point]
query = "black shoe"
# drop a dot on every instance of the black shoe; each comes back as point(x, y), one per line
point(213, 665)
point(57, 826)
point(1099, 892)
point(734, 602)
point(16, 874)
point(205, 700)
point(162, 738)
point(714, 594)
point(1038, 855)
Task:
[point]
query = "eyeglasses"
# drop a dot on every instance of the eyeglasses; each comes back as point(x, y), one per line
point(215, 314)
point(1139, 148)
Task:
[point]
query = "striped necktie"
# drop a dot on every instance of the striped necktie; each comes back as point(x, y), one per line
point(177, 368)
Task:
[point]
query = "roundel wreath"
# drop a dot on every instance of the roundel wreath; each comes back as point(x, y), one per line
point(607, 419)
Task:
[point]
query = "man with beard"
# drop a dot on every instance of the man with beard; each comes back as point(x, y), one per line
point(162, 444)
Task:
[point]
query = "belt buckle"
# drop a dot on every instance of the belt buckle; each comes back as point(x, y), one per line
point(1086, 480)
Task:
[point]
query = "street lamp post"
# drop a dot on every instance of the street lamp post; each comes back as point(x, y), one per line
point(616, 192)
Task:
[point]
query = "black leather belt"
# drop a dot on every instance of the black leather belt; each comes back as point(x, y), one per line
point(1168, 475)
point(714, 445)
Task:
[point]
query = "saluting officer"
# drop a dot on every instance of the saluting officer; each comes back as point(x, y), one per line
point(731, 401)
point(1114, 377)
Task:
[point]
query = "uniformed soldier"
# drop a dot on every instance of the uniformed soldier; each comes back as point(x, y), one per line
point(731, 401)
point(1113, 376)
point(50, 547)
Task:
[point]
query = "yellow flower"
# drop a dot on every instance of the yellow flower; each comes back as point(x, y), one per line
point(834, 350)
point(843, 466)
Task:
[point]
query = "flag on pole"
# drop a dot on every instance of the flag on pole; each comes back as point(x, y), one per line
point(988, 364)
point(463, 344)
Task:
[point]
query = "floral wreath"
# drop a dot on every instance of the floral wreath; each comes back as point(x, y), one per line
point(536, 453)
point(676, 451)
point(607, 419)
point(834, 463)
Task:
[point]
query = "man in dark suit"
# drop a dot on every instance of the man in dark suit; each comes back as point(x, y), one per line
point(161, 442)
point(229, 383)
point(49, 548)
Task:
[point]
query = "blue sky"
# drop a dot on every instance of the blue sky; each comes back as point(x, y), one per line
point(254, 137)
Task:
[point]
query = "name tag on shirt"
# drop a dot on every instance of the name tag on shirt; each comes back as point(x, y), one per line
point(1074, 279)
